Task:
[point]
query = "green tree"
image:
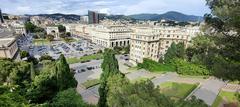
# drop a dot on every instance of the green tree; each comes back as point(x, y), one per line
point(68, 34)
point(127, 49)
point(171, 53)
point(223, 29)
point(110, 68)
point(53, 78)
point(65, 78)
point(68, 98)
point(12, 99)
point(140, 94)
point(61, 28)
point(46, 57)
point(181, 52)
point(29, 27)
point(24, 54)
point(14, 73)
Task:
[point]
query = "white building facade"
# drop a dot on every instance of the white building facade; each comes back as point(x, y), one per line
point(153, 42)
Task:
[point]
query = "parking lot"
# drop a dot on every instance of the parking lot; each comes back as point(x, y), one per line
point(56, 48)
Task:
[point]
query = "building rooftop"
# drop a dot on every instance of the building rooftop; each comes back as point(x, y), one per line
point(6, 38)
point(5, 33)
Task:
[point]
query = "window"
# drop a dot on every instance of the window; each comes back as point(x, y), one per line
point(168, 35)
point(167, 42)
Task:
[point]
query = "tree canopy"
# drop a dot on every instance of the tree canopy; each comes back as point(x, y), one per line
point(110, 68)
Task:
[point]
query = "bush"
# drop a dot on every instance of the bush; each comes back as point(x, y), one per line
point(155, 66)
point(46, 57)
point(186, 68)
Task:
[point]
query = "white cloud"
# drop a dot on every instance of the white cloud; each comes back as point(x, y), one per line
point(107, 6)
point(105, 10)
point(23, 9)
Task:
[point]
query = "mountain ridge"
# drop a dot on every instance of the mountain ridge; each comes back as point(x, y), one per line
point(171, 15)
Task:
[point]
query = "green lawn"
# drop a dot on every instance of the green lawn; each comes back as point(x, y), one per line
point(69, 40)
point(197, 77)
point(163, 68)
point(41, 42)
point(132, 69)
point(177, 90)
point(154, 66)
point(229, 96)
point(90, 83)
point(84, 58)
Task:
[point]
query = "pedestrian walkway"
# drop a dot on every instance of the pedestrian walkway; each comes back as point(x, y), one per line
point(209, 90)
point(231, 87)
point(164, 78)
point(90, 95)
point(139, 74)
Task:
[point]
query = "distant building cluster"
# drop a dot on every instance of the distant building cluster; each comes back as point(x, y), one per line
point(147, 39)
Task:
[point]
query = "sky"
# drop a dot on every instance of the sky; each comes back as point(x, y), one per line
point(126, 7)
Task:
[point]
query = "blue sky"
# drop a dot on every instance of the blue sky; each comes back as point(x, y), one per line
point(191, 7)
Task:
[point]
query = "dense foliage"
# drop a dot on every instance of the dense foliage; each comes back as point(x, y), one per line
point(31, 28)
point(218, 49)
point(122, 93)
point(61, 28)
point(22, 85)
point(68, 98)
point(154, 66)
point(110, 67)
point(187, 68)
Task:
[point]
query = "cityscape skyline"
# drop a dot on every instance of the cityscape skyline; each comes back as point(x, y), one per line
point(81, 7)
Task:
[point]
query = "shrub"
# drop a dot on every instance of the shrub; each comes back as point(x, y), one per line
point(186, 68)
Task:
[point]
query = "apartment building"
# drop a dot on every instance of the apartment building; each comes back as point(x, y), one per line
point(110, 36)
point(153, 42)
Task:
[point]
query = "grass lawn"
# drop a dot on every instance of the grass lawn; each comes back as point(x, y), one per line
point(41, 42)
point(163, 68)
point(84, 58)
point(177, 90)
point(90, 83)
point(156, 67)
point(69, 40)
point(132, 69)
point(229, 96)
point(234, 82)
point(197, 77)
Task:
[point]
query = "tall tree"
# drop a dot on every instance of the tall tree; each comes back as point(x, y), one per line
point(61, 28)
point(181, 50)
point(29, 27)
point(53, 78)
point(110, 68)
point(171, 52)
point(223, 25)
point(65, 78)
